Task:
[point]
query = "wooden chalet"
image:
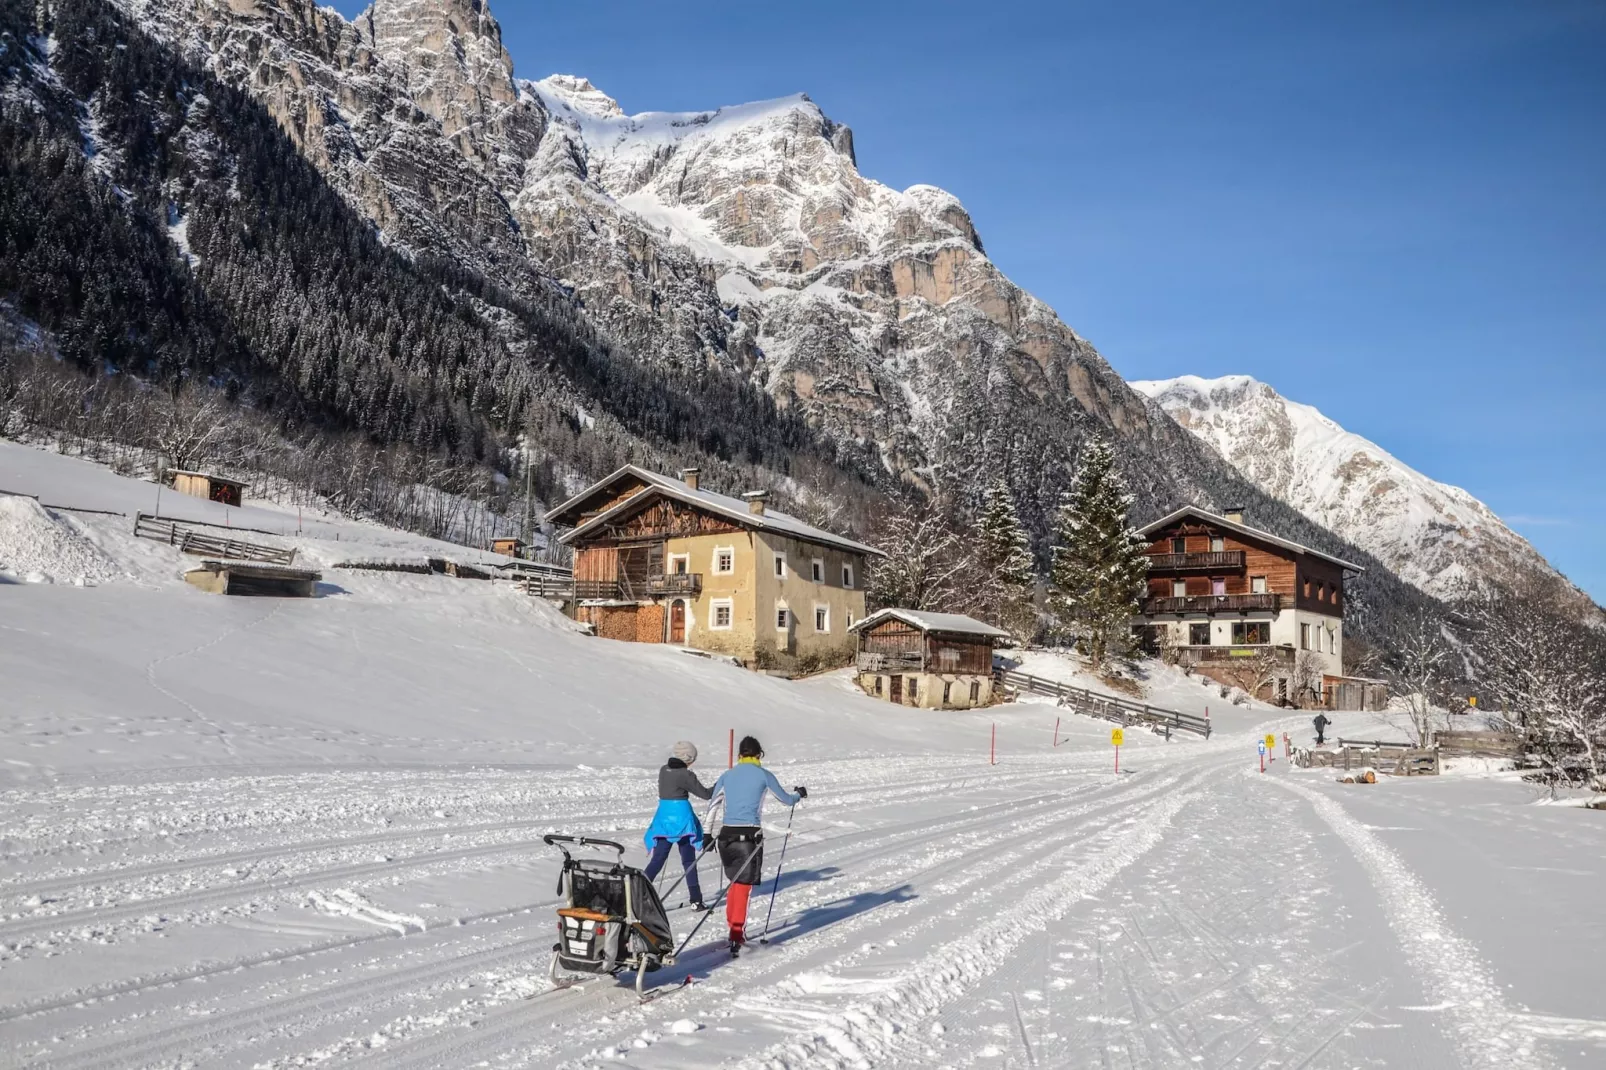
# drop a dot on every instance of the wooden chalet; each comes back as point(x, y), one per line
point(211, 487)
point(936, 661)
point(1220, 590)
point(661, 560)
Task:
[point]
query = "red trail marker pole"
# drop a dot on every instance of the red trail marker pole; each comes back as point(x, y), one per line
point(1056, 731)
point(992, 751)
point(732, 758)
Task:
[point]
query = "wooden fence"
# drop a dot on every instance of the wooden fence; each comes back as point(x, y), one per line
point(194, 542)
point(1106, 707)
point(1480, 744)
point(1393, 758)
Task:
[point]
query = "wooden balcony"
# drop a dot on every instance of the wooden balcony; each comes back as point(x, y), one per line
point(657, 585)
point(1213, 603)
point(1215, 561)
point(897, 661)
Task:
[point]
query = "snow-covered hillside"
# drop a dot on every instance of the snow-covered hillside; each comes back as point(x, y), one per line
point(1433, 535)
point(246, 832)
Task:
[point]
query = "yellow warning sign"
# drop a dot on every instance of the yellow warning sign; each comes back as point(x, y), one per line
point(1271, 741)
point(1116, 736)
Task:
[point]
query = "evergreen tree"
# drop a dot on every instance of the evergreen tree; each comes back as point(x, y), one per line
point(1099, 564)
point(1008, 578)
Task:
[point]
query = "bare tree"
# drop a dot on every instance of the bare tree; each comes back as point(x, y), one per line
point(192, 431)
point(925, 560)
point(1422, 663)
point(1306, 679)
point(1255, 673)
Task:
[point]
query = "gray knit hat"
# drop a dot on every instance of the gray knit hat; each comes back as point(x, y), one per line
point(685, 751)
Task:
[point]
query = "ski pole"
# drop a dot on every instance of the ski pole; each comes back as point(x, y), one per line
point(776, 887)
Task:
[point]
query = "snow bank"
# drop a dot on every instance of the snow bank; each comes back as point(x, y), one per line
point(37, 547)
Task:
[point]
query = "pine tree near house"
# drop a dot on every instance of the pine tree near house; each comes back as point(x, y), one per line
point(1008, 577)
point(1100, 569)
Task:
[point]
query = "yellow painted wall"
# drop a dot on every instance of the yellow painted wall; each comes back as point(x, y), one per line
point(738, 587)
point(800, 594)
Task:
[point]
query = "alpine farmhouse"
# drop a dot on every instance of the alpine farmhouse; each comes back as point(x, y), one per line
point(1220, 590)
point(661, 560)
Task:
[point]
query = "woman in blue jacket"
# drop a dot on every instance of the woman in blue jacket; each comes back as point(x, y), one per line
point(741, 838)
point(676, 822)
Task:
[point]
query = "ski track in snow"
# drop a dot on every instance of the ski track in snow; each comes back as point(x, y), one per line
point(1486, 1032)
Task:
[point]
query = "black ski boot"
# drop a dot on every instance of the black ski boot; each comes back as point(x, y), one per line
point(737, 939)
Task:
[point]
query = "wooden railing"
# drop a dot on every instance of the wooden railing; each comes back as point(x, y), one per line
point(1107, 707)
point(666, 584)
point(1214, 561)
point(194, 542)
point(673, 583)
point(1212, 603)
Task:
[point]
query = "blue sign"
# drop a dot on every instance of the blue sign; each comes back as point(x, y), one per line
point(1262, 746)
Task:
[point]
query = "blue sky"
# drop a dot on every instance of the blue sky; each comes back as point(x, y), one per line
point(1393, 212)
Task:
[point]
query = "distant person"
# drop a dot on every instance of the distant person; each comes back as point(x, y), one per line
point(741, 838)
point(676, 822)
point(1321, 722)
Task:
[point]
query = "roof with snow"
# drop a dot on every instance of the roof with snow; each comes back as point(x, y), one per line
point(733, 509)
point(1246, 531)
point(927, 621)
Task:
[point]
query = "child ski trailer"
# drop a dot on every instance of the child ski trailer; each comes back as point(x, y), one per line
point(675, 823)
point(741, 838)
point(611, 920)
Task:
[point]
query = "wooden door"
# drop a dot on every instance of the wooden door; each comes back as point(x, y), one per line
point(677, 621)
point(896, 694)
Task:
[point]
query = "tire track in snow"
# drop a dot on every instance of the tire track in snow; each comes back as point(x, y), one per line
point(1484, 1031)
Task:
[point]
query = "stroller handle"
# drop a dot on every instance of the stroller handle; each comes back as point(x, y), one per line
point(552, 839)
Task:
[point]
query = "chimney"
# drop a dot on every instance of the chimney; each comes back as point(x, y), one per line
point(1234, 513)
point(689, 477)
point(755, 501)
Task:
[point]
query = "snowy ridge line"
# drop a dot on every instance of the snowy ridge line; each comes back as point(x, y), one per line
point(499, 1029)
point(1486, 1032)
point(868, 1030)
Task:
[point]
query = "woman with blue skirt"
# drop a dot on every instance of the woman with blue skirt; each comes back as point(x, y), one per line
point(676, 822)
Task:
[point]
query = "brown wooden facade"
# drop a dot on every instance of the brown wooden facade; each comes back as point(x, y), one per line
point(911, 662)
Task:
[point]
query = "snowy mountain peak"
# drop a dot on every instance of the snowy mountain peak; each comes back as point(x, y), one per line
point(576, 94)
point(1438, 537)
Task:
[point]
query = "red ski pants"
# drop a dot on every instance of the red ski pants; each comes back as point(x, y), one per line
point(736, 907)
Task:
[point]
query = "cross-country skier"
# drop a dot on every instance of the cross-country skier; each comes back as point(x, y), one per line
point(741, 838)
point(1321, 722)
point(676, 822)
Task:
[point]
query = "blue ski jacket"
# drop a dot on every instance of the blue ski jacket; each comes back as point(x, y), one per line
point(743, 788)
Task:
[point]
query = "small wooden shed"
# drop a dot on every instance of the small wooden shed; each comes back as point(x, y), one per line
point(212, 488)
point(936, 661)
point(508, 547)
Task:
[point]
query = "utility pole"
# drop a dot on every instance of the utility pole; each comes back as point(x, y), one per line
point(529, 515)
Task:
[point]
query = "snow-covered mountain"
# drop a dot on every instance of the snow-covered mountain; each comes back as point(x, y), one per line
point(1433, 535)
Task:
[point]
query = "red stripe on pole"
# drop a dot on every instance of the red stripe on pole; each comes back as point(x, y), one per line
point(992, 751)
point(732, 759)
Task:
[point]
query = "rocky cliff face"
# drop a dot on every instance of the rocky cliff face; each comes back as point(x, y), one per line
point(1437, 537)
point(743, 241)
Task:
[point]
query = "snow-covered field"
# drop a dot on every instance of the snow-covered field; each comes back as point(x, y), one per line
point(254, 833)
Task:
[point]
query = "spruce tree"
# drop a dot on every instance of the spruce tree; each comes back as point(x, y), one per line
point(1003, 551)
point(1100, 569)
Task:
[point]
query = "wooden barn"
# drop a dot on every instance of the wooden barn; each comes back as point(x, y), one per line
point(508, 547)
point(253, 578)
point(936, 661)
point(212, 488)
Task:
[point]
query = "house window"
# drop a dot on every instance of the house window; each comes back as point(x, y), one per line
point(1218, 586)
point(780, 566)
point(947, 692)
point(783, 618)
point(1179, 545)
point(847, 576)
point(1307, 588)
point(1257, 585)
point(850, 618)
point(1304, 637)
point(1251, 632)
point(822, 619)
point(1321, 592)
point(1199, 634)
point(1217, 544)
point(914, 688)
point(817, 570)
point(1332, 641)
point(724, 560)
point(679, 564)
point(1179, 588)
point(720, 614)
point(878, 680)
point(975, 692)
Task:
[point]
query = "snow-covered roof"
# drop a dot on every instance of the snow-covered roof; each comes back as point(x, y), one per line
point(927, 621)
point(207, 475)
point(732, 508)
point(1245, 530)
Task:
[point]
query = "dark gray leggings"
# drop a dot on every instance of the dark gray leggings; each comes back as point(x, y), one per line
point(688, 858)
